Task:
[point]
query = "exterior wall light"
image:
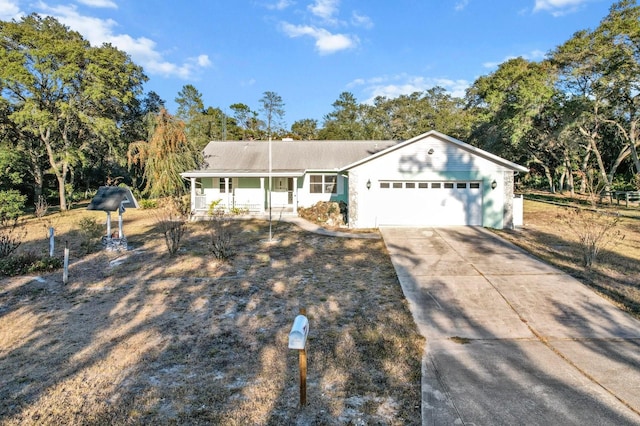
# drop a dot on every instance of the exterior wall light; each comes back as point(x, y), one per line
point(430, 151)
point(369, 184)
point(494, 184)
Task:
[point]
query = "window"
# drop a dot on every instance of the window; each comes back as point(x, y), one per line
point(327, 184)
point(410, 185)
point(397, 184)
point(448, 185)
point(423, 185)
point(384, 185)
point(461, 185)
point(474, 185)
point(436, 185)
point(223, 188)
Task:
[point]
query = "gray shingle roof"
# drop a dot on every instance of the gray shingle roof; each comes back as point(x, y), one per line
point(290, 156)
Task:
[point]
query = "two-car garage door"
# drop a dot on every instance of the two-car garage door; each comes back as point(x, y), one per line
point(429, 203)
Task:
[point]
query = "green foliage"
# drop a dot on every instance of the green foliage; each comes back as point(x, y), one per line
point(306, 129)
point(238, 211)
point(90, 232)
point(11, 205)
point(11, 233)
point(273, 110)
point(213, 209)
point(88, 91)
point(164, 157)
point(148, 203)
point(28, 263)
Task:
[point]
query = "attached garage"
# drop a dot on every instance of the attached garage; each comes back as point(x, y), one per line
point(429, 203)
point(431, 180)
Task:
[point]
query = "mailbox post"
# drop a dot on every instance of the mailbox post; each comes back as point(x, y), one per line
point(298, 340)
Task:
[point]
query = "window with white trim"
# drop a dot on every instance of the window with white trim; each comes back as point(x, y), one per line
point(323, 184)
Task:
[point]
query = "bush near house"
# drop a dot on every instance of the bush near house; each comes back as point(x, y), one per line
point(329, 213)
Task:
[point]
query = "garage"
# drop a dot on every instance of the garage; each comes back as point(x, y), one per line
point(429, 203)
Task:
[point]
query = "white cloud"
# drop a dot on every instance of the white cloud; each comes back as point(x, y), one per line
point(404, 84)
point(558, 7)
point(534, 55)
point(324, 9)
point(461, 5)
point(326, 42)
point(361, 20)
point(9, 10)
point(99, 3)
point(280, 5)
point(142, 50)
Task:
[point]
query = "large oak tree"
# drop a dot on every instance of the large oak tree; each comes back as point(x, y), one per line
point(65, 96)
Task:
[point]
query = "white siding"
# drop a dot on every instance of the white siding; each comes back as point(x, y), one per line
point(413, 162)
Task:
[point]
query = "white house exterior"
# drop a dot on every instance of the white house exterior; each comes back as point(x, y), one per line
point(429, 180)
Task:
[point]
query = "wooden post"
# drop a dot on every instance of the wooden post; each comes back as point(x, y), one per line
point(65, 273)
point(108, 224)
point(302, 361)
point(51, 241)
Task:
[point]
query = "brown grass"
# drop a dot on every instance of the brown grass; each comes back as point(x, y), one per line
point(616, 272)
point(144, 338)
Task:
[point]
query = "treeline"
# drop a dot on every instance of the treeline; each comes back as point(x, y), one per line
point(74, 116)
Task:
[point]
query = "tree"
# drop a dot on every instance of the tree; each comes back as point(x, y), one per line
point(189, 102)
point(167, 154)
point(66, 97)
point(273, 110)
point(305, 129)
point(344, 122)
point(600, 74)
point(509, 105)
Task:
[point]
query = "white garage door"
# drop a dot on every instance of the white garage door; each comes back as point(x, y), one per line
point(429, 203)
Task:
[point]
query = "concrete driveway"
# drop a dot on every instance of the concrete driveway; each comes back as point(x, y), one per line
point(511, 340)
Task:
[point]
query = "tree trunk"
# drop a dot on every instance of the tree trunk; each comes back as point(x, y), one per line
point(60, 170)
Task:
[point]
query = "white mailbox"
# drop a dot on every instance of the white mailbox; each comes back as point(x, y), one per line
point(299, 332)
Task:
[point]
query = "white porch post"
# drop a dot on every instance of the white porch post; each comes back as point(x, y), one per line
point(226, 190)
point(295, 194)
point(262, 210)
point(193, 194)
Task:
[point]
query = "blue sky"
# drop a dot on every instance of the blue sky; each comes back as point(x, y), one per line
point(310, 51)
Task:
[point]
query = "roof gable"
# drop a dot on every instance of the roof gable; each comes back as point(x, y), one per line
point(448, 139)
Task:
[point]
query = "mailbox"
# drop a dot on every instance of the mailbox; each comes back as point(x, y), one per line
point(299, 332)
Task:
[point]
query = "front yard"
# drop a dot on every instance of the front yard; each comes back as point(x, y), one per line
point(144, 338)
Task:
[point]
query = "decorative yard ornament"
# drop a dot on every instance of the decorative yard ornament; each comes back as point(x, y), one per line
point(110, 199)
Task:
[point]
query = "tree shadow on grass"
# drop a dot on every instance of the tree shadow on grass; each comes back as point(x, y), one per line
point(142, 337)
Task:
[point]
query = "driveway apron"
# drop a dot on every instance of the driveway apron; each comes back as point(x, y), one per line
point(510, 339)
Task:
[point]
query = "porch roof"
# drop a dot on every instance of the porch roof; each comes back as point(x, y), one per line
point(288, 158)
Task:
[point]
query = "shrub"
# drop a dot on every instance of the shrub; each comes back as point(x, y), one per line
point(11, 204)
point(148, 203)
point(238, 210)
point(28, 262)
point(220, 238)
point(41, 207)
point(594, 231)
point(213, 209)
point(90, 232)
point(172, 222)
point(11, 232)
point(325, 213)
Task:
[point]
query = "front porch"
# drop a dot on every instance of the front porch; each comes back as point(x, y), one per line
point(244, 195)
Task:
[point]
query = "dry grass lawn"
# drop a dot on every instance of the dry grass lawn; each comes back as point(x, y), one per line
point(616, 272)
point(144, 338)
